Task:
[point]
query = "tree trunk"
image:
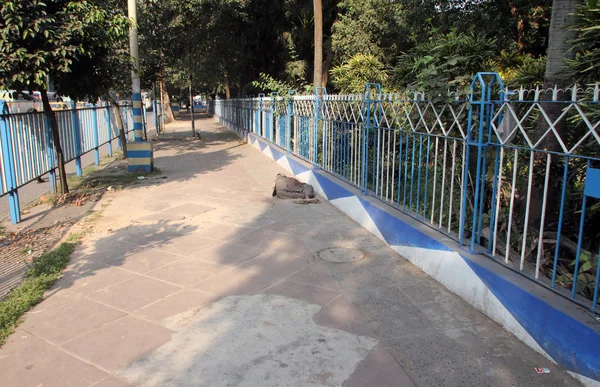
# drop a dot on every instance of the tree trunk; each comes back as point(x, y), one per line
point(166, 105)
point(327, 65)
point(318, 19)
point(120, 124)
point(192, 108)
point(62, 172)
point(227, 88)
point(558, 50)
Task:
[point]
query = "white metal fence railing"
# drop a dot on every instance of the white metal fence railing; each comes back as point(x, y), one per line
point(506, 173)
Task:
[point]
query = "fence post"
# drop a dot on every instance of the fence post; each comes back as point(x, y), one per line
point(366, 128)
point(95, 128)
point(480, 110)
point(51, 157)
point(288, 124)
point(317, 106)
point(260, 125)
point(154, 116)
point(108, 124)
point(271, 116)
point(256, 115)
point(77, 137)
point(9, 165)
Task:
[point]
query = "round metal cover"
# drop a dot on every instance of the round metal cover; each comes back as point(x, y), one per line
point(341, 255)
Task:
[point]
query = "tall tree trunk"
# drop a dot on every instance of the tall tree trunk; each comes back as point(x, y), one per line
point(318, 18)
point(226, 86)
point(327, 65)
point(192, 108)
point(49, 113)
point(558, 50)
point(119, 118)
point(166, 105)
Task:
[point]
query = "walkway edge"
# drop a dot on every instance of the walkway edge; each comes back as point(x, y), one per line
point(559, 330)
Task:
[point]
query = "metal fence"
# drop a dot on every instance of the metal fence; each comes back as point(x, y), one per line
point(26, 150)
point(507, 173)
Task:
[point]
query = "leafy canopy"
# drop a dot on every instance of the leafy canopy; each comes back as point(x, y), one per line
point(47, 39)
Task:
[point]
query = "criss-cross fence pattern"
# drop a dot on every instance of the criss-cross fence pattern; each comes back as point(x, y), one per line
point(506, 173)
point(26, 150)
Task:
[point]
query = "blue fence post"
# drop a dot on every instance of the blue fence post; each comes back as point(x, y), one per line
point(288, 125)
point(271, 115)
point(50, 155)
point(77, 137)
point(155, 117)
point(95, 128)
point(480, 109)
point(9, 165)
point(109, 128)
point(316, 107)
point(259, 126)
point(366, 129)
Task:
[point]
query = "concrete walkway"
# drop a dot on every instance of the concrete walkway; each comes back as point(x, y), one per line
point(199, 278)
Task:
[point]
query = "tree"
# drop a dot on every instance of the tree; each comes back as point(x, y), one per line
point(558, 42)
point(48, 40)
point(318, 15)
point(351, 77)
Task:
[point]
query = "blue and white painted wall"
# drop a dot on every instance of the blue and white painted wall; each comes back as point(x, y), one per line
point(564, 333)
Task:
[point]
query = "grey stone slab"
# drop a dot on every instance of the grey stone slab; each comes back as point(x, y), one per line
point(119, 343)
point(63, 323)
point(342, 314)
point(140, 292)
point(112, 381)
point(19, 349)
point(261, 340)
point(160, 217)
point(186, 272)
point(175, 304)
point(52, 368)
point(265, 239)
point(379, 369)
point(307, 293)
point(473, 356)
point(315, 274)
point(145, 260)
point(188, 245)
point(274, 264)
point(92, 281)
point(229, 254)
point(236, 282)
point(226, 232)
point(189, 209)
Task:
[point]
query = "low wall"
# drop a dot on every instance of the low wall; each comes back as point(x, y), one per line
point(564, 333)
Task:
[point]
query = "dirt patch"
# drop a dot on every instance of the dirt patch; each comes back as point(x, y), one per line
point(19, 249)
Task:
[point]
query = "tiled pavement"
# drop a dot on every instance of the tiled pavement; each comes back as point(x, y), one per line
point(202, 279)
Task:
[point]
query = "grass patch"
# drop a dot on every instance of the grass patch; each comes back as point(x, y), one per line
point(40, 277)
point(2, 231)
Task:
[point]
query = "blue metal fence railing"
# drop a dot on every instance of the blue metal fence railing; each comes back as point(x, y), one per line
point(506, 173)
point(27, 151)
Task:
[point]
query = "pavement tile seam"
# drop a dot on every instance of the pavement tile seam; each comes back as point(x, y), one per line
point(143, 275)
point(60, 348)
point(135, 312)
point(181, 258)
point(313, 285)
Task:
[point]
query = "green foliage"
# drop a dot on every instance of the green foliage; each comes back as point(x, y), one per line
point(40, 276)
point(41, 40)
point(447, 61)
point(370, 27)
point(585, 67)
point(351, 77)
point(269, 84)
point(519, 69)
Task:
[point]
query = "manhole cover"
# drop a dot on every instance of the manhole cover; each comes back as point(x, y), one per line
point(341, 255)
